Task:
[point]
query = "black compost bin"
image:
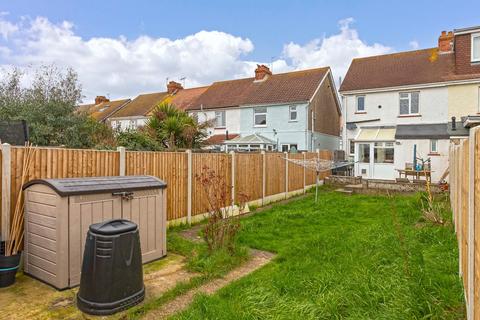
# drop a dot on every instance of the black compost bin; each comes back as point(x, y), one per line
point(112, 276)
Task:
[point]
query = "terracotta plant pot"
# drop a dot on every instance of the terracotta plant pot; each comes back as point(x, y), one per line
point(8, 267)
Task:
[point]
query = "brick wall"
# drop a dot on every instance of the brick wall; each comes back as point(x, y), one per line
point(463, 64)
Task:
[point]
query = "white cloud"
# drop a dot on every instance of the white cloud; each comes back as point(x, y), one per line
point(336, 51)
point(6, 27)
point(126, 67)
point(414, 44)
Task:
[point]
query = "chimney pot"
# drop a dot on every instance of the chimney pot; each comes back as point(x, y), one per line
point(454, 124)
point(262, 72)
point(173, 87)
point(101, 99)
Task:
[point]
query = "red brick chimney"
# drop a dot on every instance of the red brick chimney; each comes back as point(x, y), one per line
point(173, 87)
point(262, 72)
point(445, 42)
point(100, 99)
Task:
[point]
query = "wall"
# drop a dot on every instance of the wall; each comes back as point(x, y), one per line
point(404, 154)
point(463, 100)
point(326, 111)
point(433, 108)
point(278, 119)
point(463, 55)
point(325, 141)
point(232, 120)
point(125, 123)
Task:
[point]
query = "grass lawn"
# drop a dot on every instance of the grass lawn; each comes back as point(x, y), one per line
point(355, 257)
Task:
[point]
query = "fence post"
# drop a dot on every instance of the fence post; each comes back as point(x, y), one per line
point(6, 190)
point(232, 153)
point(264, 184)
point(189, 186)
point(471, 225)
point(121, 166)
point(286, 175)
point(304, 173)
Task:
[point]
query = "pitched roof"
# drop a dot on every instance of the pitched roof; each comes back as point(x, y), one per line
point(279, 88)
point(251, 139)
point(186, 97)
point(220, 138)
point(399, 69)
point(141, 105)
point(103, 110)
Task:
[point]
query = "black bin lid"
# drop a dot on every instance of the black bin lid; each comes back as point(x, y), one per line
point(113, 227)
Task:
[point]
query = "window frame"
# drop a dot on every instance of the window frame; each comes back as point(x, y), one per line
point(351, 143)
point(436, 146)
point(473, 37)
point(255, 114)
point(384, 146)
point(410, 113)
point(356, 104)
point(290, 111)
point(224, 119)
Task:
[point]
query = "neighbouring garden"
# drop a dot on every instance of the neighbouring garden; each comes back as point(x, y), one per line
point(356, 257)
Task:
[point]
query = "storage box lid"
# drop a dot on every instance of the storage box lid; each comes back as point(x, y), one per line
point(113, 227)
point(94, 185)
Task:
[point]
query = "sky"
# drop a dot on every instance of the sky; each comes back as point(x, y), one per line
point(124, 48)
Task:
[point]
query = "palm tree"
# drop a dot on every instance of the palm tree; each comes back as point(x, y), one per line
point(175, 128)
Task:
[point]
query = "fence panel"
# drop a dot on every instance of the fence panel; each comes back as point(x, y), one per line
point(222, 165)
point(61, 163)
point(248, 175)
point(295, 173)
point(172, 167)
point(274, 173)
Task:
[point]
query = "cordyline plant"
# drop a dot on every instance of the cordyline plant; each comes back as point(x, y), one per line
point(222, 225)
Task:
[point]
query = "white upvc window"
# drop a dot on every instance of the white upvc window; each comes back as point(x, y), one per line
point(409, 103)
point(360, 103)
point(220, 120)
point(433, 146)
point(476, 47)
point(293, 115)
point(133, 124)
point(260, 117)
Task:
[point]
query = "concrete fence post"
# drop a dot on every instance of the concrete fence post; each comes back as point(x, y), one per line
point(122, 161)
point(264, 180)
point(304, 173)
point(189, 186)
point(6, 190)
point(286, 175)
point(232, 153)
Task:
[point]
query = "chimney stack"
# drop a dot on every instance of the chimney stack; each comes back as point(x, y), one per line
point(100, 99)
point(454, 124)
point(445, 42)
point(262, 72)
point(173, 87)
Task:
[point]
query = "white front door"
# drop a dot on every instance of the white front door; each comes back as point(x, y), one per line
point(363, 159)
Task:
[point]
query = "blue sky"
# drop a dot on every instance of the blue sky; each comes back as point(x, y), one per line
point(252, 31)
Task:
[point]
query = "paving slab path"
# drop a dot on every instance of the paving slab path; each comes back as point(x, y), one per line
point(258, 259)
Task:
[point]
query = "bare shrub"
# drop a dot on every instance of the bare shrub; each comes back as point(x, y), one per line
point(222, 225)
point(431, 210)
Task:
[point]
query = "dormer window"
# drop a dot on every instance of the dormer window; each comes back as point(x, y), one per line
point(476, 47)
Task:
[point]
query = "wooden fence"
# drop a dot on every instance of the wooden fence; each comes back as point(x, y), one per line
point(465, 201)
point(263, 177)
